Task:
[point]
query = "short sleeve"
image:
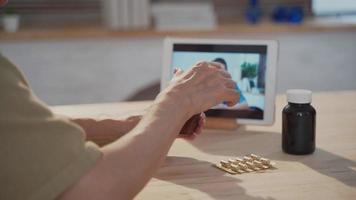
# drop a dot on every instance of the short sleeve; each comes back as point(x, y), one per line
point(41, 154)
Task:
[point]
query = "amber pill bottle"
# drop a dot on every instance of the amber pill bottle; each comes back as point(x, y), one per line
point(298, 123)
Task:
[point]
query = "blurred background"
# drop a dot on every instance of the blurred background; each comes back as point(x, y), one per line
point(93, 51)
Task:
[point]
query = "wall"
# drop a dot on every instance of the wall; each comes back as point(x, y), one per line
point(107, 70)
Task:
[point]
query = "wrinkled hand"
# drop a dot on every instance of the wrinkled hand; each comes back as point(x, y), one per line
point(205, 85)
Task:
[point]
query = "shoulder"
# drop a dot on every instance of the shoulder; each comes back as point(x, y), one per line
point(9, 73)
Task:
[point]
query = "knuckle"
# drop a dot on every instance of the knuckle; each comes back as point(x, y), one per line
point(200, 67)
point(195, 68)
point(217, 65)
point(202, 63)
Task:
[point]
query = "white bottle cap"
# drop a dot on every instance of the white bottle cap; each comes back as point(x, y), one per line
point(299, 96)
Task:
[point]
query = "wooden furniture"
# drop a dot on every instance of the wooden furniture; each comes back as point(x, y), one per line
point(329, 173)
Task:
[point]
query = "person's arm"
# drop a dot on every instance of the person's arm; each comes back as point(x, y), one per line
point(106, 130)
point(128, 163)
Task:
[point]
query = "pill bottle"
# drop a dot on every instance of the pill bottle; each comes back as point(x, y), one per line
point(298, 123)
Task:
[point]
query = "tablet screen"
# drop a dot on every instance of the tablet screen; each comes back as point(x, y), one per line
point(245, 63)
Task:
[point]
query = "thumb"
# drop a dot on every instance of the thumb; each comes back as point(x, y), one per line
point(177, 71)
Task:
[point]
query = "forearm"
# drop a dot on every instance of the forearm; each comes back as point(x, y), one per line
point(145, 148)
point(129, 162)
point(107, 130)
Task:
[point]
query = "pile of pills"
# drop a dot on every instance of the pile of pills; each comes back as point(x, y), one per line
point(246, 164)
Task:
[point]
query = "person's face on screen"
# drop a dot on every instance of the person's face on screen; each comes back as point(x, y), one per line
point(222, 62)
point(2, 3)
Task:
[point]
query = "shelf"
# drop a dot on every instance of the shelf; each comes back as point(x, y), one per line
point(100, 32)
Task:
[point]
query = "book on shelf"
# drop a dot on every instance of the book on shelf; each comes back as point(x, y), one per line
point(126, 14)
point(184, 15)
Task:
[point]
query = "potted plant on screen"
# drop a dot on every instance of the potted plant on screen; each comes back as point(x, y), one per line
point(10, 20)
point(248, 74)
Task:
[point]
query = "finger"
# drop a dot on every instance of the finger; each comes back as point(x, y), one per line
point(202, 63)
point(199, 127)
point(201, 123)
point(177, 71)
point(230, 84)
point(134, 118)
point(217, 65)
point(190, 125)
point(232, 97)
point(203, 115)
point(199, 69)
point(198, 130)
point(202, 120)
point(225, 74)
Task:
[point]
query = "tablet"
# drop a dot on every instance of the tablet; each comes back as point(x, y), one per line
point(251, 63)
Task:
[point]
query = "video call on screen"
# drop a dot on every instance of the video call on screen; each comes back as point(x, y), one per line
point(245, 63)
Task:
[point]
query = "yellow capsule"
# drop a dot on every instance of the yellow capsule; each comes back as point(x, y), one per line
point(225, 163)
point(242, 166)
point(265, 161)
point(247, 159)
point(239, 160)
point(233, 161)
point(250, 165)
point(234, 167)
point(255, 157)
point(257, 163)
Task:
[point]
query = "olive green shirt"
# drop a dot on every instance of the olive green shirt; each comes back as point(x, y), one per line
point(41, 154)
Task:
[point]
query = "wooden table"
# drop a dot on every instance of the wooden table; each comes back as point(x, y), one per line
point(329, 173)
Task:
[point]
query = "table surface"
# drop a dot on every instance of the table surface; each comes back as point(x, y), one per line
point(329, 173)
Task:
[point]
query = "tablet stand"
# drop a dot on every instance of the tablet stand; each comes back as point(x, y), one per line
point(221, 123)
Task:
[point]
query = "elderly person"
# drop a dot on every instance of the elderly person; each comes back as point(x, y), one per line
point(44, 156)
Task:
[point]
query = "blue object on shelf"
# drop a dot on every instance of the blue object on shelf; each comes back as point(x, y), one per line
point(280, 14)
point(253, 12)
point(293, 15)
point(296, 15)
point(253, 2)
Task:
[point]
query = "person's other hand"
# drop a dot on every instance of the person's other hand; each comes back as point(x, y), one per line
point(205, 85)
point(193, 127)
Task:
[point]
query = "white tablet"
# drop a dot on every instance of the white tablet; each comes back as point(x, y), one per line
point(251, 63)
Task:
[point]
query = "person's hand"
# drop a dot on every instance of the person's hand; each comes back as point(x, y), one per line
point(198, 89)
point(193, 127)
